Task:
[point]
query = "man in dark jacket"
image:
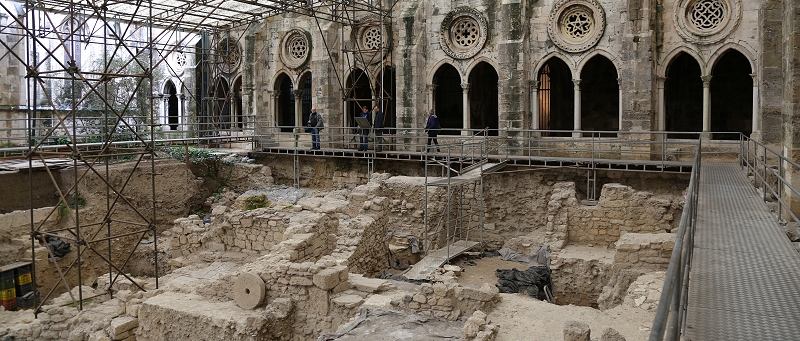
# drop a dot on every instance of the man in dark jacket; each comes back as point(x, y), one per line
point(364, 138)
point(379, 118)
point(315, 122)
point(432, 128)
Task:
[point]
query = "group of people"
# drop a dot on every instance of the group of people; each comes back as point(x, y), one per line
point(315, 124)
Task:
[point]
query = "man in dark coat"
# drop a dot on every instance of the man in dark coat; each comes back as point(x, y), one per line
point(315, 122)
point(432, 128)
point(364, 138)
point(379, 118)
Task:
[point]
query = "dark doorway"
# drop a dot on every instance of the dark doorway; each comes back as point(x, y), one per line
point(448, 99)
point(285, 107)
point(222, 105)
point(483, 98)
point(172, 106)
point(237, 104)
point(731, 96)
point(359, 95)
point(386, 97)
point(683, 97)
point(556, 98)
point(599, 96)
point(305, 84)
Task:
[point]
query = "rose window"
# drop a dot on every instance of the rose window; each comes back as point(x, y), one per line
point(465, 32)
point(180, 59)
point(707, 14)
point(577, 24)
point(297, 47)
point(228, 55)
point(373, 38)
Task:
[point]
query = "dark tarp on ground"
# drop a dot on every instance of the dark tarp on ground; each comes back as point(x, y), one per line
point(532, 281)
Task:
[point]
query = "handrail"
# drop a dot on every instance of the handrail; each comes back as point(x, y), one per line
point(756, 157)
point(672, 304)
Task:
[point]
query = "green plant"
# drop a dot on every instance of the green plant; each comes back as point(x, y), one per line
point(256, 201)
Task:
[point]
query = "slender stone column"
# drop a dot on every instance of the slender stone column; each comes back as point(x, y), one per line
point(274, 95)
point(756, 130)
point(465, 118)
point(706, 105)
point(577, 109)
point(662, 111)
point(619, 106)
point(431, 97)
point(298, 109)
point(534, 104)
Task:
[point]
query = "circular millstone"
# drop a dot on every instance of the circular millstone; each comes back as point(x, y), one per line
point(249, 291)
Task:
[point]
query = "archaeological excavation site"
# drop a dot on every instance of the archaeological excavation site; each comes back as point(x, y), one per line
point(239, 253)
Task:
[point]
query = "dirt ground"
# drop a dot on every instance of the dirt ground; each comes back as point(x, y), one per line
point(522, 317)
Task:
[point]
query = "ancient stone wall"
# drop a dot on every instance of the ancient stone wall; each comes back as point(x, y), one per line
point(450, 300)
point(579, 280)
point(644, 250)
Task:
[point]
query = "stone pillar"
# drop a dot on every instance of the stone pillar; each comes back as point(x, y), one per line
point(431, 97)
point(274, 95)
point(577, 109)
point(248, 113)
point(534, 104)
point(706, 105)
point(465, 118)
point(619, 105)
point(298, 109)
point(662, 111)
point(756, 130)
point(164, 119)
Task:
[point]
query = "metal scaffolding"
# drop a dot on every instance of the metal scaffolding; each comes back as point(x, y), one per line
point(97, 113)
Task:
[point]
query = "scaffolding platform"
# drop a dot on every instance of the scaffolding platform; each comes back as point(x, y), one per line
point(437, 258)
point(471, 175)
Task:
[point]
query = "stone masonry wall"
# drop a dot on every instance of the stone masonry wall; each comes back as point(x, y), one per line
point(450, 300)
point(644, 250)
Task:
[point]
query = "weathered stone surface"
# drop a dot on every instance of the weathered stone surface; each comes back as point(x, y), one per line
point(348, 301)
point(610, 334)
point(576, 331)
point(369, 285)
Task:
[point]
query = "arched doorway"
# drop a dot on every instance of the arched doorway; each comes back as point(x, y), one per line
point(683, 96)
point(172, 106)
point(221, 110)
point(237, 104)
point(483, 98)
point(359, 95)
point(449, 99)
point(305, 84)
point(284, 110)
point(599, 95)
point(731, 96)
point(556, 98)
point(386, 92)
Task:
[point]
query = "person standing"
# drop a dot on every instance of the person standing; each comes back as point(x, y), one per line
point(315, 121)
point(432, 128)
point(379, 118)
point(364, 138)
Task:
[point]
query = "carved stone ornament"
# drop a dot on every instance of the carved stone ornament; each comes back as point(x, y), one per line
point(463, 33)
point(707, 21)
point(369, 37)
point(228, 55)
point(180, 59)
point(576, 25)
point(295, 48)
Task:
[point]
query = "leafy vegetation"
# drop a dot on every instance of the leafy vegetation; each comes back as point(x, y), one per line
point(256, 201)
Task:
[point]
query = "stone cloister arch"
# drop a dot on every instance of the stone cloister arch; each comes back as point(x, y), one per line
point(556, 97)
point(448, 98)
point(284, 106)
point(599, 86)
point(359, 95)
point(683, 96)
point(221, 105)
point(172, 111)
point(483, 98)
point(731, 91)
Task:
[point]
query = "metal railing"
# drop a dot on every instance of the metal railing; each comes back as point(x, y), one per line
point(671, 311)
point(769, 169)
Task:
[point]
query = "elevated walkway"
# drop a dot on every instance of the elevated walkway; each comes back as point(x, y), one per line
point(437, 258)
point(745, 278)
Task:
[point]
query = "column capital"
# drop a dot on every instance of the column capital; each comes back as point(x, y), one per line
point(577, 83)
point(465, 87)
point(755, 77)
point(274, 93)
point(298, 93)
point(706, 80)
point(619, 82)
point(431, 87)
point(534, 84)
